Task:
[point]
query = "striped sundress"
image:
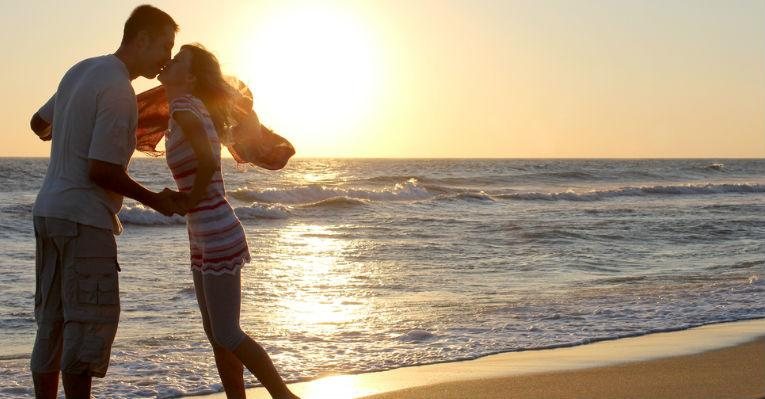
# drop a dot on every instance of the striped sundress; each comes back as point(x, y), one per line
point(216, 237)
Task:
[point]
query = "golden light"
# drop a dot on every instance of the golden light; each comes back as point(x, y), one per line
point(316, 72)
point(317, 300)
point(336, 387)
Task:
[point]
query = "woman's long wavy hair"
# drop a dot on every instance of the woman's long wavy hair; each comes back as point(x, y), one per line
point(212, 88)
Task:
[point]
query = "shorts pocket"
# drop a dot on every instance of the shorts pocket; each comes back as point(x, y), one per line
point(93, 242)
point(87, 291)
point(55, 227)
point(96, 268)
point(92, 349)
point(38, 294)
point(97, 282)
point(39, 262)
point(108, 293)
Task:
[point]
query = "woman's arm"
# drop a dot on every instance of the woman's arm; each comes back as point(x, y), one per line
point(194, 132)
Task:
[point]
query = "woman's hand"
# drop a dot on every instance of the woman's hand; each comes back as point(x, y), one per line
point(181, 200)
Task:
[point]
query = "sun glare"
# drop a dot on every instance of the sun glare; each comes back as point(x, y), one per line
point(315, 72)
point(315, 261)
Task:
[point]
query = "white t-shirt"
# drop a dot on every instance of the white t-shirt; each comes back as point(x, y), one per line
point(93, 116)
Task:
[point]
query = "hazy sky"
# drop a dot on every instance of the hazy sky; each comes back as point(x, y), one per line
point(395, 78)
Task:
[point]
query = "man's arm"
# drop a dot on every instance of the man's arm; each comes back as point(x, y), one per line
point(42, 120)
point(113, 178)
point(41, 127)
point(111, 145)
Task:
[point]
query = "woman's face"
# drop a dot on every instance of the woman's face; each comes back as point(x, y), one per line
point(178, 71)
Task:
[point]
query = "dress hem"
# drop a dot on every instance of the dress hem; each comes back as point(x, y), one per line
point(231, 267)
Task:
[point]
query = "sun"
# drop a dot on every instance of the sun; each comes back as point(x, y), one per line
point(316, 73)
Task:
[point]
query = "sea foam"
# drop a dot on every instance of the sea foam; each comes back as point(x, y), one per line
point(597, 195)
point(144, 216)
point(139, 214)
point(407, 191)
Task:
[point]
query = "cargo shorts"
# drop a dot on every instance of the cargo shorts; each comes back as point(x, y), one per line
point(77, 303)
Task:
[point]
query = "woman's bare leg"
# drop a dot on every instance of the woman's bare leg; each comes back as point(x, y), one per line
point(230, 371)
point(219, 299)
point(229, 367)
point(259, 363)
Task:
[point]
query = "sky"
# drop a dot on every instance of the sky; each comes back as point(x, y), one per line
point(441, 78)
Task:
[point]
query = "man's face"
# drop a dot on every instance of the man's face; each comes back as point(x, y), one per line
point(177, 72)
point(156, 52)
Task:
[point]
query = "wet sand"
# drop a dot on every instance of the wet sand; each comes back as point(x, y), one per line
point(716, 361)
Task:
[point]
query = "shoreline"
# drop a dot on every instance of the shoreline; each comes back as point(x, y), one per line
point(684, 350)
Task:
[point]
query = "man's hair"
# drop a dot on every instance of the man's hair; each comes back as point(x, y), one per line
point(147, 18)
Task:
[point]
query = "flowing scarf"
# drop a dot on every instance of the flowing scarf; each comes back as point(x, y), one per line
point(247, 140)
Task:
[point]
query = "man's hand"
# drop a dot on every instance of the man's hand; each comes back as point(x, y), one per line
point(46, 135)
point(169, 202)
point(113, 177)
point(41, 127)
point(181, 200)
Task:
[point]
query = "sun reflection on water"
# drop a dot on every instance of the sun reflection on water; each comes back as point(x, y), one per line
point(319, 298)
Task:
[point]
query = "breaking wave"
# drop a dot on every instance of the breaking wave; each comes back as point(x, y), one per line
point(407, 191)
point(597, 195)
point(144, 216)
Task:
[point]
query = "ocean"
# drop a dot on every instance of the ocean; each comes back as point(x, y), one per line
point(362, 265)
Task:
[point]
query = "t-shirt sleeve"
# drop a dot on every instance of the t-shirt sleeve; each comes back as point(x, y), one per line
point(113, 137)
point(184, 104)
point(46, 111)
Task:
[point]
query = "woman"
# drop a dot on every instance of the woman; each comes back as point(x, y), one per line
point(200, 106)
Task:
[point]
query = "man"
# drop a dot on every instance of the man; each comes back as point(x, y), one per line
point(91, 119)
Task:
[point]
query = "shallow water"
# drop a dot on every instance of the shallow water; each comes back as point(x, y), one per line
point(362, 265)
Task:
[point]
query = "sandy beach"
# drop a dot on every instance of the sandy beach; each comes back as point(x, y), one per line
point(716, 361)
point(737, 372)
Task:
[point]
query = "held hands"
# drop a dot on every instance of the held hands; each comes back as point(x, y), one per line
point(182, 200)
point(169, 202)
